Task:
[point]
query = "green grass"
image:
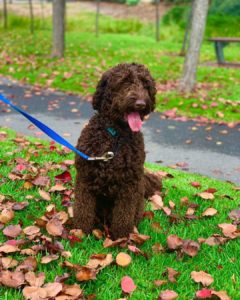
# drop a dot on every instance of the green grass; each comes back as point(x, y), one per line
point(220, 261)
point(27, 58)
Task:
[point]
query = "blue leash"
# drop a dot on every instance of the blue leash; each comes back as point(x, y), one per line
point(53, 135)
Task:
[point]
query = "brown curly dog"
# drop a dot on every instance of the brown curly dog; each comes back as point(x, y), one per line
point(113, 191)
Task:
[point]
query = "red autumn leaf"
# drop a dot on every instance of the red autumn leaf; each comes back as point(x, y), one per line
point(64, 177)
point(204, 294)
point(127, 285)
point(12, 230)
point(196, 184)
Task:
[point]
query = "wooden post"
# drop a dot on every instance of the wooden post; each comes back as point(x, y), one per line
point(97, 17)
point(157, 21)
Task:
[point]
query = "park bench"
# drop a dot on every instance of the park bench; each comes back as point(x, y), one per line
point(219, 44)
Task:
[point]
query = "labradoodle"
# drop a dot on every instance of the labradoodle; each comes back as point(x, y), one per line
point(113, 191)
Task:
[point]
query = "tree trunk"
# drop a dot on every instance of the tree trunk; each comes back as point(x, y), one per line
point(186, 35)
point(5, 14)
point(59, 7)
point(199, 17)
point(97, 17)
point(157, 20)
point(42, 13)
point(31, 16)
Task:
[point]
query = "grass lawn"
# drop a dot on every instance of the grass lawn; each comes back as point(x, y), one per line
point(220, 261)
point(27, 58)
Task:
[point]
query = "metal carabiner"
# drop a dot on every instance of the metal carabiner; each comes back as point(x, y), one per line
point(106, 156)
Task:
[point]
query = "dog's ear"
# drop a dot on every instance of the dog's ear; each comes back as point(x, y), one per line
point(99, 94)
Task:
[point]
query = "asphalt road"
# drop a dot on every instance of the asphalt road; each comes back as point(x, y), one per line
point(212, 150)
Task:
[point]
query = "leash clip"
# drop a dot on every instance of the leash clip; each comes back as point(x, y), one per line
point(106, 156)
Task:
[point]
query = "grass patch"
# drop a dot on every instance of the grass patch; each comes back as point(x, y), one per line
point(219, 261)
point(27, 58)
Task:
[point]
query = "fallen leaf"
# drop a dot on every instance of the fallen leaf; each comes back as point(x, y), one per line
point(222, 295)
point(45, 195)
point(123, 259)
point(110, 243)
point(31, 230)
point(228, 230)
point(139, 238)
point(157, 202)
point(209, 212)
point(8, 262)
point(29, 264)
point(160, 282)
point(64, 177)
point(86, 274)
point(34, 293)
point(195, 184)
point(99, 261)
point(174, 242)
point(206, 195)
point(204, 294)
point(9, 248)
point(168, 295)
point(172, 274)
point(190, 247)
point(12, 230)
point(49, 258)
point(12, 279)
point(202, 277)
point(6, 216)
point(34, 279)
point(53, 289)
point(127, 285)
point(54, 227)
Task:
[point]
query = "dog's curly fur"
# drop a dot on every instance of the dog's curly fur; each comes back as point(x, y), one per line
point(114, 191)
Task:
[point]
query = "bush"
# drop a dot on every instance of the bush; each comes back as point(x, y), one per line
point(226, 7)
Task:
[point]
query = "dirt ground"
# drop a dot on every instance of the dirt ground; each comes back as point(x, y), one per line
point(142, 11)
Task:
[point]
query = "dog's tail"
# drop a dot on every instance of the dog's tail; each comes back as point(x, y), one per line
point(152, 184)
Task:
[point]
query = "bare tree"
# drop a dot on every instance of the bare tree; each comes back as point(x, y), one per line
point(5, 14)
point(31, 16)
point(59, 9)
point(199, 18)
point(157, 20)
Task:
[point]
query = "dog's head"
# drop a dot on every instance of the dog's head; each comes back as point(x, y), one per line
point(126, 92)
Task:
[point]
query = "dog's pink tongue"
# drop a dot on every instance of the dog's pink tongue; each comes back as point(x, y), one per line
point(134, 121)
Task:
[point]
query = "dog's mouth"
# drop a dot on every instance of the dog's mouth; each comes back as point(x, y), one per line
point(134, 121)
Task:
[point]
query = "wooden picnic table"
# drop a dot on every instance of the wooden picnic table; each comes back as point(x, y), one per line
point(220, 43)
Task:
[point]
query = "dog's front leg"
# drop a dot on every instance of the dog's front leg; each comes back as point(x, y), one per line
point(124, 212)
point(84, 209)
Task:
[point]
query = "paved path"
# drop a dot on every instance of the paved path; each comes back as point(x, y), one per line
point(212, 150)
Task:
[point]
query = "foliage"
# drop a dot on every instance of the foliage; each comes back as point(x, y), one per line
point(226, 8)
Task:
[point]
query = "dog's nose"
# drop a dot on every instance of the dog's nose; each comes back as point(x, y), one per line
point(140, 104)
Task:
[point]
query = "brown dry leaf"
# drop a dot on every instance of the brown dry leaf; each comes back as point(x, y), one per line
point(41, 181)
point(8, 262)
point(34, 279)
point(11, 279)
point(209, 212)
point(31, 230)
point(6, 215)
point(206, 196)
point(72, 290)
point(167, 210)
point(34, 293)
point(12, 230)
point(54, 227)
point(156, 202)
point(174, 242)
point(160, 282)
point(98, 234)
point(157, 248)
point(27, 185)
point(123, 259)
point(99, 261)
point(62, 216)
point(168, 295)
point(222, 295)
point(228, 230)
point(57, 188)
point(215, 239)
point(53, 289)
point(49, 258)
point(77, 232)
point(110, 243)
point(29, 264)
point(86, 274)
point(190, 248)
point(9, 248)
point(172, 274)
point(45, 195)
point(139, 238)
point(202, 277)
point(190, 211)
